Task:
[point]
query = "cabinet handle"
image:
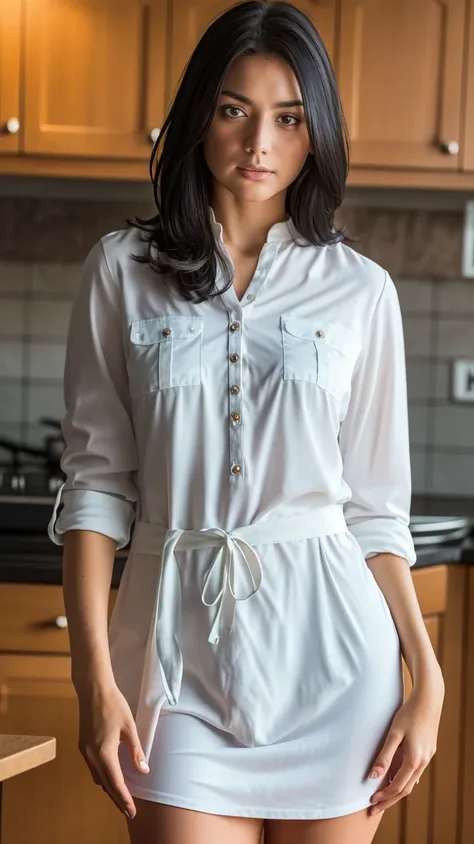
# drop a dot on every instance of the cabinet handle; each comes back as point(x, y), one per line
point(60, 621)
point(154, 135)
point(449, 147)
point(12, 126)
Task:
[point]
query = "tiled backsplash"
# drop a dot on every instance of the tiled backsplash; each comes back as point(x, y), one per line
point(43, 243)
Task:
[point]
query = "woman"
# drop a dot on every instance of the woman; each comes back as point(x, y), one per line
point(235, 381)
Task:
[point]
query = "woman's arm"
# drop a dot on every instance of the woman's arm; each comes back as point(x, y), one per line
point(88, 559)
point(394, 579)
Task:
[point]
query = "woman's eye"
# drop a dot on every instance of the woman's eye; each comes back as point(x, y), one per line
point(225, 109)
point(229, 111)
point(292, 117)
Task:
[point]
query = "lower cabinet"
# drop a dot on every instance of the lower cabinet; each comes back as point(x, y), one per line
point(429, 815)
point(56, 803)
point(59, 803)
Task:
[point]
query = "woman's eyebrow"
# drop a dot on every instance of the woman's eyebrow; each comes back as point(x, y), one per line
point(247, 101)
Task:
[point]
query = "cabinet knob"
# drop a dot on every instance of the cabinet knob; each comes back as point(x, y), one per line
point(154, 135)
point(61, 621)
point(12, 126)
point(449, 147)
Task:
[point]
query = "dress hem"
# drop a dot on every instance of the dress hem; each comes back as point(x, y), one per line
point(259, 812)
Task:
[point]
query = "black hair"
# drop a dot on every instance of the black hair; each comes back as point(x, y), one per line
point(181, 242)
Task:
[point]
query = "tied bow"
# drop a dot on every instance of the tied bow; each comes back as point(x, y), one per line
point(234, 575)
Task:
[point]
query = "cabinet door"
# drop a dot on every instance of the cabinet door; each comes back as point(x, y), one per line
point(400, 67)
point(57, 802)
point(192, 17)
point(468, 145)
point(10, 19)
point(408, 821)
point(94, 76)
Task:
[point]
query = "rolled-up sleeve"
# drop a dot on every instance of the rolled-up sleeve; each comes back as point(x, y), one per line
point(100, 458)
point(374, 437)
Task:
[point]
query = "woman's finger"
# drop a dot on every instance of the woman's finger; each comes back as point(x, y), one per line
point(386, 754)
point(409, 765)
point(110, 772)
point(404, 792)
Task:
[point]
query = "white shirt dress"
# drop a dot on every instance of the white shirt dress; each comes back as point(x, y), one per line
point(259, 450)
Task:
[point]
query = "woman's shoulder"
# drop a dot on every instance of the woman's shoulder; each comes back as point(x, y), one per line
point(363, 270)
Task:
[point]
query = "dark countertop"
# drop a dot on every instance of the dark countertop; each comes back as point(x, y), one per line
point(35, 559)
point(43, 564)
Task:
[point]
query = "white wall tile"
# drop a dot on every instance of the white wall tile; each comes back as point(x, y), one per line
point(49, 319)
point(418, 379)
point(14, 278)
point(415, 296)
point(417, 332)
point(61, 279)
point(12, 317)
point(44, 401)
point(453, 474)
point(46, 360)
point(454, 338)
point(454, 426)
point(11, 359)
point(456, 297)
point(418, 421)
point(418, 461)
point(10, 403)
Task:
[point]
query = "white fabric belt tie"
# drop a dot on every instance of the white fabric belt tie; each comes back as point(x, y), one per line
point(235, 556)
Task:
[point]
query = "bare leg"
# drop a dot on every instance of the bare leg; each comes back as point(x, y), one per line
point(157, 823)
point(356, 828)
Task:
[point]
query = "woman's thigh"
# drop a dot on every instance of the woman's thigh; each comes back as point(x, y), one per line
point(158, 823)
point(356, 828)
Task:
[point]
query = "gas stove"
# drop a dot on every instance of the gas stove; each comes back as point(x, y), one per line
point(30, 477)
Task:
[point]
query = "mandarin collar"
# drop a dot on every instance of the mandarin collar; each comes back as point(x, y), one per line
point(278, 233)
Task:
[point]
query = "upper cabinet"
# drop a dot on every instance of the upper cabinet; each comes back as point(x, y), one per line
point(468, 145)
point(85, 85)
point(400, 69)
point(94, 76)
point(192, 17)
point(10, 39)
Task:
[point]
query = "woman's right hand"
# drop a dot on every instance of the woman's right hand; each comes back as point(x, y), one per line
point(105, 719)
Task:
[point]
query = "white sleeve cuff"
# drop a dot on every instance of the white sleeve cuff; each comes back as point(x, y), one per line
point(384, 536)
point(87, 509)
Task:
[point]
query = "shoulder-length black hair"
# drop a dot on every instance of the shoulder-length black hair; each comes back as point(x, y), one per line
point(181, 242)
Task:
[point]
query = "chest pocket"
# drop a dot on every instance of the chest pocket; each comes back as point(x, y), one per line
point(164, 352)
point(319, 351)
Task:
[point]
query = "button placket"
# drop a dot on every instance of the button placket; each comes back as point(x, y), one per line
point(235, 397)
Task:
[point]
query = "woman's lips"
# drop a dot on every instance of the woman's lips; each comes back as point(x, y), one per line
point(254, 175)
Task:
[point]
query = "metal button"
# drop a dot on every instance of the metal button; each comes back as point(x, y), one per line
point(192, 330)
point(236, 417)
point(139, 337)
point(234, 358)
point(235, 389)
point(250, 297)
point(236, 469)
point(235, 326)
point(167, 332)
point(320, 334)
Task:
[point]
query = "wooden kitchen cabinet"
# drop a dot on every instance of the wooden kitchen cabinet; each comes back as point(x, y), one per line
point(430, 814)
point(10, 40)
point(94, 77)
point(192, 17)
point(63, 803)
point(399, 67)
point(37, 698)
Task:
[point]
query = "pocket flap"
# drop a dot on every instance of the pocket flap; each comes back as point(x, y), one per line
point(322, 331)
point(144, 332)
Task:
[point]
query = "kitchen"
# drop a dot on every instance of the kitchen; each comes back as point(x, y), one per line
point(74, 155)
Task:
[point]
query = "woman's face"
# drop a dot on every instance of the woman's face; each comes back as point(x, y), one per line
point(251, 127)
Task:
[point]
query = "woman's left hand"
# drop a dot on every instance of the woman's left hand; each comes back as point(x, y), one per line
point(410, 743)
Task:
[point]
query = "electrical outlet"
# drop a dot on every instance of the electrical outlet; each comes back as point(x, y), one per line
point(463, 380)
